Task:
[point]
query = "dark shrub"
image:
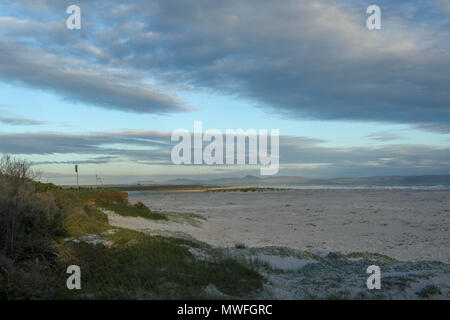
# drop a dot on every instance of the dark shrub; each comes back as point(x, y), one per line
point(28, 221)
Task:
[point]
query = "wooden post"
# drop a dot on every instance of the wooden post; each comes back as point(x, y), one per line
point(76, 170)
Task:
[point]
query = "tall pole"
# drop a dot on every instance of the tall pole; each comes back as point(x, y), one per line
point(76, 170)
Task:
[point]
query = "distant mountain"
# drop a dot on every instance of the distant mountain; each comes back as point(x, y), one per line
point(249, 180)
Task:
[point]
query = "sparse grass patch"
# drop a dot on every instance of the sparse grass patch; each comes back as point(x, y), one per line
point(429, 291)
point(155, 266)
point(370, 256)
point(361, 255)
point(192, 219)
point(400, 282)
point(125, 209)
point(184, 242)
point(86, 220)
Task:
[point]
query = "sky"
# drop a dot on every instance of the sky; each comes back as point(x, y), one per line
point(348, 101)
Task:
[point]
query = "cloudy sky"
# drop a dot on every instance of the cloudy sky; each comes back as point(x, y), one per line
point(348, 101)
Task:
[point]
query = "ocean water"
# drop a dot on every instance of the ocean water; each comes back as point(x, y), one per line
point(364, 187)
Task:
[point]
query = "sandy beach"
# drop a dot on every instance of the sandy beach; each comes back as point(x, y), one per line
point(316, 244)
point(403, 224)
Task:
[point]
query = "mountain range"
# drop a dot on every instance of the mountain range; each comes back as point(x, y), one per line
point(250, 180)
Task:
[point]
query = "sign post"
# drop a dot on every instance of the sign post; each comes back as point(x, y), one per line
point(76, 170)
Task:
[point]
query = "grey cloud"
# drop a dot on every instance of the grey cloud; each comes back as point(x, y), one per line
point(433, 127)
point(152, 147)
point(79, 82)
point(20, 121)
point(51, 143)
point(302, 58)
point(96, 160)
point(307, 59)
point(384, 136)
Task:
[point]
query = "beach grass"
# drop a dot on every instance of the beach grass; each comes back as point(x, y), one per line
point(141, 266)
point(133, 266)
point(128, 210)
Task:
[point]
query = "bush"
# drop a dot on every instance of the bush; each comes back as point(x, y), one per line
point(28, 221)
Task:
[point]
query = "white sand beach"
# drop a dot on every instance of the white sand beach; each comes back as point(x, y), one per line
point(317, 243)
point(404, 224)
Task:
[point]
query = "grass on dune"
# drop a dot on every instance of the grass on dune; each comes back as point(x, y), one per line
point(125, 209)
point(142, 266)
point(82, 205)
point(42, 226)
point(90, 220)
point(136, 266)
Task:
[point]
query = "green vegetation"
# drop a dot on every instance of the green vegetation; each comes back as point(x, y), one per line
point(141, 266)
point(361, 255)
point(400, 282)
point(370, 256)
point(429, 291)
point(28, 221)
point(41, 232)
point(192, 219)
point(125, 209)
point(86, 220)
